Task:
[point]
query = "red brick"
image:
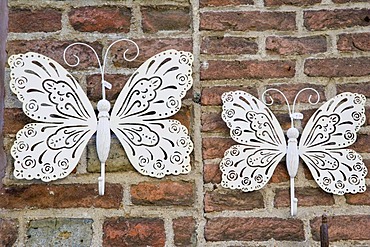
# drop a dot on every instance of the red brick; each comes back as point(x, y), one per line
point(343, 227)
point(14, 120)
point(185, 116)
point(107, 19)
point(220, 3)
point(218, 70)
point(165, 18)
point(54, 49)
point(148, 48)
point(219, 45)
point(280, 174)
point(94, 86)
point(221, 200)
point(60, 196)
point(127, 232)
point(337, 67)
point(212, 95)
point(184, 231)
point(253, 229)
point(34, 20)
point(8, 232)
point(290, 91)
point(270, 3)
point(211, 173)
point(359, 198)
point(212, 122)
point(247, 21)
point(215, 147)
point(295, 46)
point(335, 19)
point(363, 88)
point(354, 42)
point(307, 197)
point(164, 193)
point(362, 144)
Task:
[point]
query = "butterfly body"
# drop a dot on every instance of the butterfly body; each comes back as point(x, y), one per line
point(50, 149)
point(322, 145)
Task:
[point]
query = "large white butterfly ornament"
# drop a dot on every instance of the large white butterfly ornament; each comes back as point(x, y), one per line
point(322, 145)
point(50, 149)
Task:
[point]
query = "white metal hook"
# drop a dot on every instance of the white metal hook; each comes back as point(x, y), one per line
point(293, 199)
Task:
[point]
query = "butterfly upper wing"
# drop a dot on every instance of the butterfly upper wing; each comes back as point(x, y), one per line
point(323, 144)
point(249, 166)
point(155, 146)
point(50, 149)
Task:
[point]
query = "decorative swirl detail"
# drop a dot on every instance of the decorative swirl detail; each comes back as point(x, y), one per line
point(356, 116)
point(47, 169)
point(28, 163)
point(358, 167)
point(354, 180)
point(349, 135)
point(64, 164)
point(20, 82)
point(22, 146)
point(237, 131)
point(351, 155)
point(234, 151)
point(227, 162)
point(143, 161)
point(326, 181)
point(246, 181)
point(184, 59)
point(174, 128)
point(182, 142)
point(258, 178)
point(182, 78)
point(18, 62)
point(32, 106)
point(357, 100)
point(228, 97)
point(176, 158)
point(339, 185)
point(172, 103)
point(158, 165)
point(232, 175)
point(230, 113)
point(29, 131)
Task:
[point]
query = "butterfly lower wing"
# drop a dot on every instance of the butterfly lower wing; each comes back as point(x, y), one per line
point(53, 97)
point(250, 166)
point(155, 146)
point(323, 144)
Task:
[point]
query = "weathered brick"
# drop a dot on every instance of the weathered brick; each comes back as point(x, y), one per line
point(184, 231)
point(220, 3)
point(107, 19)
point(60, 232)
point(362, 88)
point(362, 144)
point(34, 20)
point(348, 1)
point(280, 174)
point(94, 86)
point(290, 91)
point(212, 122)
point(215, 147)
point(60, 196)
point(335, 19)
point(221, 200)
point(212, 95)
point(247, 21)
point(307, 197)
point(218, 70)
point(164, 193)
point(165, 18)
point(8, 231)
point(219, 45)
point(54, 49)
point(253, 229)
point(271, 3)
point(211, 173)
point(148, 48)
point(359, 198)
point(354, 42)
point(127, 232)
point(337, 67)
point(295, 46)
point(343, 227)
point(14, 120)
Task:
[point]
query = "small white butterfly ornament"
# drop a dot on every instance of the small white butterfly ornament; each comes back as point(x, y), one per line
point(50, 149)
point(322, 146)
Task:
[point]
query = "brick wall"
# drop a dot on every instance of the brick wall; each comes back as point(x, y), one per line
point(238, 44)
